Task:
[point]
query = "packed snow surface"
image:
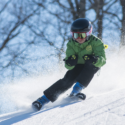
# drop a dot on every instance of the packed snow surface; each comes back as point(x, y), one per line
point(105, 103)
point(105, 109)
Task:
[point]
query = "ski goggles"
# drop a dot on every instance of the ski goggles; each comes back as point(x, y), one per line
point(81, 35)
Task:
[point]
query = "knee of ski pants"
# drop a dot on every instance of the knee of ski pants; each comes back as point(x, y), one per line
point(91, 68)
point(86, 75)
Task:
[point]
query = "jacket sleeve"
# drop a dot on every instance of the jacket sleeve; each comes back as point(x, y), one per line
point(69, 51)
point(99, 50)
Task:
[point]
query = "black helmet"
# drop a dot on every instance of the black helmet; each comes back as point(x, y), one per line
point(81, 25)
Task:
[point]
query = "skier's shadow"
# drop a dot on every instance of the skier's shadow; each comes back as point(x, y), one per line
point(20, 116)
point(58, 106)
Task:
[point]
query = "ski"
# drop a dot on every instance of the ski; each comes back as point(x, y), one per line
point(81, 96)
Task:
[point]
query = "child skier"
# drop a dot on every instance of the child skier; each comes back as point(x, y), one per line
point(85, 55)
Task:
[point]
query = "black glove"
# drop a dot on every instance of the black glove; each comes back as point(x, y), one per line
point(72, 60)
point(90, 59)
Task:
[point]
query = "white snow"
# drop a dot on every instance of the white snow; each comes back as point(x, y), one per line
point(105, 109)
point(105, 103)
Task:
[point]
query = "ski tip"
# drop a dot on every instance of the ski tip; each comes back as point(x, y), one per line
point(36, 106)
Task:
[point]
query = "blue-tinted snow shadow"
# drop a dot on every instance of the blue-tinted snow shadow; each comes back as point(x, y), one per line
point(20, 116)
point(57, 106)
point(14, 118)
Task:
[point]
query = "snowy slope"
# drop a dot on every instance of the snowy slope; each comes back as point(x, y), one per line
point(105, 109)
point(105, 104)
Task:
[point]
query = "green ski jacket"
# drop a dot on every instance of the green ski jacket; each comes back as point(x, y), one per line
point(94, 46)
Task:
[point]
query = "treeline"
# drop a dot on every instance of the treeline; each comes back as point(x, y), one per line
point(25, 24)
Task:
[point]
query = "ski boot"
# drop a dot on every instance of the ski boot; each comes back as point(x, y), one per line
point(81, 96)
point(40, 102)
point(76, 91)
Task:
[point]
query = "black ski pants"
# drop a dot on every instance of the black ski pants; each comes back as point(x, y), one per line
point(82, 73)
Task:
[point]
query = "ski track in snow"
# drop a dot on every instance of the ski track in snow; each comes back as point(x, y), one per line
point(78, 112)
point(105, 103)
